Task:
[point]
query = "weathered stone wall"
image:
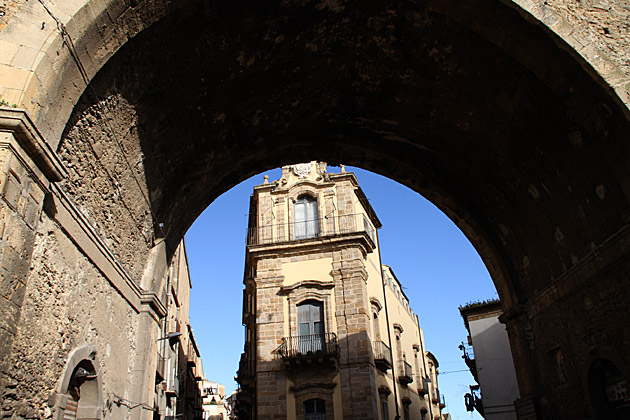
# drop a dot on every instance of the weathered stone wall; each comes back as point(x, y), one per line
point(358, 374)
point(603, 24)
point(597, 30)
point(271, 400)
point(68, 303)
point(20, 205)
point(106, 178)
point(8, 8)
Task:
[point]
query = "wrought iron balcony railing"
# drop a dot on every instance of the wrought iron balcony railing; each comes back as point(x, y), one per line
point(246, 370)
point(191, 355)
point(469, 359)
point(317, 228)
point(171, 386)
point(406, 373)
point(382, 356)
point(423, 386)
point(317, 346)
point(436, 397)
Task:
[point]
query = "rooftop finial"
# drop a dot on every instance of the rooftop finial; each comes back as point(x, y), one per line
point(343, 168)
point(266, 178)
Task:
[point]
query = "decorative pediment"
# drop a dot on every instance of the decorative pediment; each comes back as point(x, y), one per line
point(376, 304)
point(307, 284)
point(384, 390)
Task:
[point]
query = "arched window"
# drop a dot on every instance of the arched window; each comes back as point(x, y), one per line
point(311, 326)
point(315, 409)
point(305, 222)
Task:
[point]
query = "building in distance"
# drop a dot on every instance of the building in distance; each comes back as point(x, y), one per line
point(329, 332)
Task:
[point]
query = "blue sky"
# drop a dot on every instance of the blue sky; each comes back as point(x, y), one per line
point(437, 266)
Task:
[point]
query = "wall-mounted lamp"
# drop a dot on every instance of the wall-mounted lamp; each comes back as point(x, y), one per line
point(170, 336)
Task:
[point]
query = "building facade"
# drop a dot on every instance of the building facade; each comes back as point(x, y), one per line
point(490, 362)
point(322, 314)
point(178, 368)
point(215, 405)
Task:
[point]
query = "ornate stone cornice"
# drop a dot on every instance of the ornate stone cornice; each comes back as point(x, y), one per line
point(28, 137)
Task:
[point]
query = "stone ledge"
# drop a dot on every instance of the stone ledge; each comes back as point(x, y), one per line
point(78, 229)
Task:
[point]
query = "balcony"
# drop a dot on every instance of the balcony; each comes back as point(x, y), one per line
point(171, 386)
point(423, 386)
point(406, 374)
point(435, 399)
point(469, 359)
point(191, 355)
point(318, 228)
point(308, 349)
point(382, 356)
point(246, 371)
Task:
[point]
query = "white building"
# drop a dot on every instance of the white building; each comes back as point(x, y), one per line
point(215, 406)
point(490, 362)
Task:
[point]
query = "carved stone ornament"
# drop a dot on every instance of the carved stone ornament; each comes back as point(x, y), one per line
point(302, 170)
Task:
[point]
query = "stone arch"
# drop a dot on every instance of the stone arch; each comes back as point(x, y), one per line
point(99, 29)
point(532, 169)
point(80, 388)
point(485, 241)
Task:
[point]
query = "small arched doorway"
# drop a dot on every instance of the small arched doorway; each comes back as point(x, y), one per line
point(607, 389)
point(80, 387)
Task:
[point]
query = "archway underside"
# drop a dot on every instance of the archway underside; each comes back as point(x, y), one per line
point(530, 160)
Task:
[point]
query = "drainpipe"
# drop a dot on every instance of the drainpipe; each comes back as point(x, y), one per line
point(389, 332)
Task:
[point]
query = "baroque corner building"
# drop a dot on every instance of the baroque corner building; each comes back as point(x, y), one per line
point(329, 331)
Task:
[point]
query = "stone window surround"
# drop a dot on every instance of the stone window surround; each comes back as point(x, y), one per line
point(376, 308)
point(296, 192)
point(376, 305)
point(309, 391)
point(309, 290)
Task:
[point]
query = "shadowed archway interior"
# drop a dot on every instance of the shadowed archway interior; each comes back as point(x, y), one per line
point(500, 126)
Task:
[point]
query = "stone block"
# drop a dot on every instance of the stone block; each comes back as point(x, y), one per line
point(9, 313)
point(8, 284)
point(12, 262)
point(7, 51)
point(25, 58)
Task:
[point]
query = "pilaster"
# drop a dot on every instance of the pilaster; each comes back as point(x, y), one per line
point(358, 382)
point(27, 168)
point(270, 376)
